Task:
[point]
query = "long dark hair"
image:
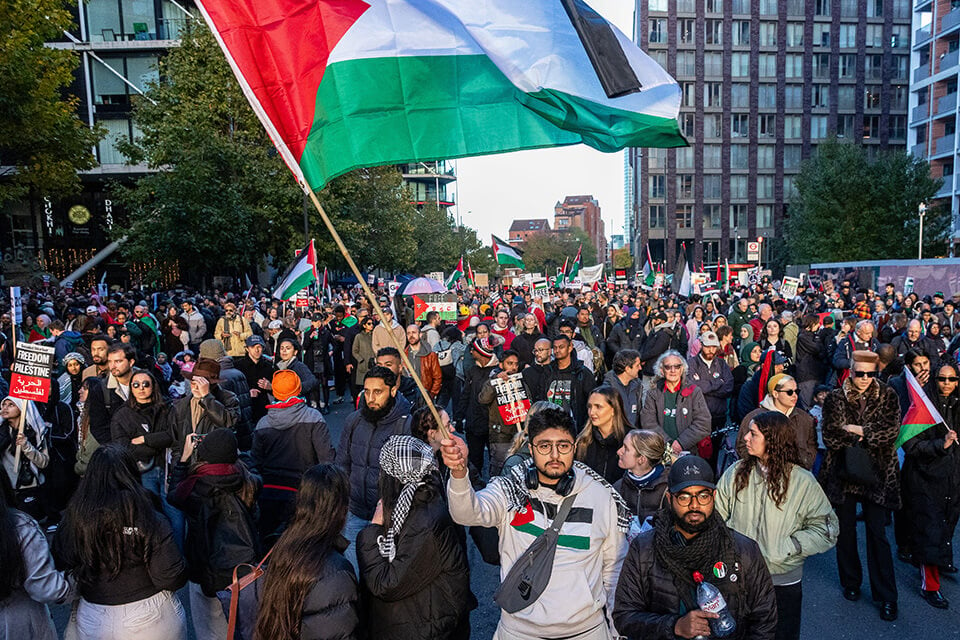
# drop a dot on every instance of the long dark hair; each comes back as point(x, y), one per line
point(155, 397)
point(109, 503)
point(14, 570)
point(781, 455)
point(302, 550)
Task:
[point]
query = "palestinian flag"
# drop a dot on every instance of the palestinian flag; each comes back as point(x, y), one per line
point(681, 277)
point(503, 253)
point(575, 265)
point(471, 280)
point(649, 274)
point(341, 84)
point(921, 415)
point(726, 276)
point(456, 275)
point(301, 273)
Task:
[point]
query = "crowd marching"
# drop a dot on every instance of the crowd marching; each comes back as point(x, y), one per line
point(638, 464)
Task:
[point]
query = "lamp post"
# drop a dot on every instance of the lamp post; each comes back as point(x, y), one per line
point(922, 211)
point(736, 245)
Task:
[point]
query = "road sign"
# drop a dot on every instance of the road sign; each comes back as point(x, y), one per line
point(30, 372)
point(753, 251)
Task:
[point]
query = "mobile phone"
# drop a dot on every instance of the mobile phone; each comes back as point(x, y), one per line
point(196, 438)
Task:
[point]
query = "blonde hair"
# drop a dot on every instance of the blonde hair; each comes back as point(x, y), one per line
point(612, 396)
point(648, 444)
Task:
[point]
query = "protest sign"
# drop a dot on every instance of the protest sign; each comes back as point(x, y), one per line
point(512, 400)
point(31, 370)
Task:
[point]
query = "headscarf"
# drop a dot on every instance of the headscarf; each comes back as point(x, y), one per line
point(409, 460)
point(33, 418)
point(73, 355)
point(745, 356)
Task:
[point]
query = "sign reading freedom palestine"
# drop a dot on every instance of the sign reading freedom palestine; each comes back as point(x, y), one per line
point(30, 372)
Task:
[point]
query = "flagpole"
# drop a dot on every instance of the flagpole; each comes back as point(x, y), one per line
point(376, 307)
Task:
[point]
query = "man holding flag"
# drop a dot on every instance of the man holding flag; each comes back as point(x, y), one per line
point(931, 477)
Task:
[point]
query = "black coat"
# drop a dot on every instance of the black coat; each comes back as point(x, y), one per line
point(476, 414)
point(570, 387)
point(648, 602)
point(221, 410)
point(425, 592)
point(253, 372)
point(128, 423)
point(331, 610)
point(643, 500)
point(523, 344)
point(658, 341)
point(601, 456)
point(811, 357)
point(930, 486)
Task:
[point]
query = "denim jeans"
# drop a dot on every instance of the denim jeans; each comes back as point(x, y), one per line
point(159, 617)
point(354, 526)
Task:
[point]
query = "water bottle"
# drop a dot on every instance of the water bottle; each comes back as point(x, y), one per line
point(712, 601)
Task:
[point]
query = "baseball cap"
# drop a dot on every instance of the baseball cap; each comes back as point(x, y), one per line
point(252, 341)
point(275, 324)
point(93, 309)
point(709, 339)
point(690, 471)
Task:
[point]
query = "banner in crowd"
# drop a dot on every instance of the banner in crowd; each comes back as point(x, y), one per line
point(512, 400)
point(31, 370)
point(789, 287)
point(589, 275)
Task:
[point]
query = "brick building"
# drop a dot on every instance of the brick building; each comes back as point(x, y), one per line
point(520, 230)
point(582, 212)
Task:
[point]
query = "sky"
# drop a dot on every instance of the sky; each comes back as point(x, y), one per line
point(494, 190)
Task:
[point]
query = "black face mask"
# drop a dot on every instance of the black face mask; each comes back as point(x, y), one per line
point(374, 416)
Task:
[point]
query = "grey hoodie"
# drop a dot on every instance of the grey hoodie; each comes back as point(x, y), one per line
point(631, 394)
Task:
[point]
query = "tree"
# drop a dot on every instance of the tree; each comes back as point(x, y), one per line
point(42, 141)
point(622, 258)
point(545, 252)
point(852, 204)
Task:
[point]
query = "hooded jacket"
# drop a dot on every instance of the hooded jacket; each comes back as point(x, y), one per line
point(588, 555)
point(646, 498)
point(290, 439)
point(804, 430)
point(631, 394)
point(359, 453)
point(715, 380)
point(666, 335)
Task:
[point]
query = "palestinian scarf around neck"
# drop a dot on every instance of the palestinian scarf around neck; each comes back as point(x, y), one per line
point(411, 461)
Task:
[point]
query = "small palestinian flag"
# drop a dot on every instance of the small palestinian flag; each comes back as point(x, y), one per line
point(504, 254)
point(456, 275)
point(299, 275)
point(575, 265)
point(921, 415)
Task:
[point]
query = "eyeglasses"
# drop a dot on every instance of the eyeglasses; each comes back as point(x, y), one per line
point(947, 378)
point(671, 367)
point(864, 374)
point(703, 498)
point(789, 392)
point(563, 447)
point(146, 384)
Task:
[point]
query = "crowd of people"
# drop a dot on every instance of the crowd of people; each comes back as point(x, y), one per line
point(610, 450)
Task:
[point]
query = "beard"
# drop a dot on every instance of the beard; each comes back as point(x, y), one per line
point(554, 473)
point(691, 528)
point(373, 416)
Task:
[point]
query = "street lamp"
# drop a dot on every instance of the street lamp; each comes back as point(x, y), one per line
point(736, 245)
point(923, 211)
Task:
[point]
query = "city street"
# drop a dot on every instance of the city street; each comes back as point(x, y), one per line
point(825, 613)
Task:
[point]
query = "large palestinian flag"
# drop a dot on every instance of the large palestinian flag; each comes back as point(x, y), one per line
point(341, 84)
point(921, 415)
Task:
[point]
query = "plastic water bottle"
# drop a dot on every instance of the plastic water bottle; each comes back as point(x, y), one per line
point(712, 601)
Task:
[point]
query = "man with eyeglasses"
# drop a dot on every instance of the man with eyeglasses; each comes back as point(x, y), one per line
point(863, 412)
point(535, 374)
point(523, 504)
point(656, 594)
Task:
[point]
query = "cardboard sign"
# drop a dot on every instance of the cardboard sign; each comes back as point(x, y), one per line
point(30, 372)
point(512, 400)
point(481, 279)
point(789, 286)
point(303, 298)
point(541, 288)
point(908, 285)
point(16, 305)
point(620, 276)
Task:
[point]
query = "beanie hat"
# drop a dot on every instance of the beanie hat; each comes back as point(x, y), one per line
point(212, 349)
point(286, 384)
point(218, 447)
point(482, 347)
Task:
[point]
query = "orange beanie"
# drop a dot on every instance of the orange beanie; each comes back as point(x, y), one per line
point(286, 384)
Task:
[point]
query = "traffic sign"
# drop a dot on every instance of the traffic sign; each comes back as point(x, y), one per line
point(753, 251)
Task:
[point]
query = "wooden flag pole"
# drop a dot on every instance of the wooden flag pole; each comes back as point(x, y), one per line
point(16, 455)
point(376, 307)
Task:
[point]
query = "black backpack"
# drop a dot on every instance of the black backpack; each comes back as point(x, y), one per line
point(229, 539)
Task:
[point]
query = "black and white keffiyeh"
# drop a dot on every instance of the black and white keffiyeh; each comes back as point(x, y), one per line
point(409, 460)
point(515, 487)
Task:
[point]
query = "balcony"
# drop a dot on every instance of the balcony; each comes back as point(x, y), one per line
point(947, 105)
point(922, 72)
point(950, 20)
point(919, 150)
point(947, 189)
point(919, 4)
point(920, 36)
point(945, 144)
point(920, 112)
point(949, 60)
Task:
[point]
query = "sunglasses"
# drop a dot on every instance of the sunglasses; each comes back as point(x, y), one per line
point(864, 374)
point(671, 367)
point(146, 384)
point(789, 392)
point(948, 378)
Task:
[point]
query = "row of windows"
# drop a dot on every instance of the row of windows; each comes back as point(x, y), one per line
point(873, 66)
point(793, 96)
point(712, 186)
point(792, 127)
point(769, 35)
point(794, 8)
point(712, 216)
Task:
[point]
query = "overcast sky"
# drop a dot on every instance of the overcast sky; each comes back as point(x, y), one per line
point(492, 191)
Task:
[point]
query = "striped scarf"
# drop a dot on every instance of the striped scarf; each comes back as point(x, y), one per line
point(409, 460)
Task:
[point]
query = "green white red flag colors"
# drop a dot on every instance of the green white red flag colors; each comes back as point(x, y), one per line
point(341, 84)
point(921, 415)
point(301, 273)
point(504, 254)
point(456, 275)
point(575, 265)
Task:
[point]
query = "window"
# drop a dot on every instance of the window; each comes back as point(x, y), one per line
point(688, 124)
point(796, 8)
point(656, 158)
point(686, 63)
point(767, 126)
point(821, 65)
point(821, 34)
point(711, 125)
point(711, 156)
point(846, 97)
point(657, 186)
point(768, 7)
point(712, 64)
point(793, 96)
point(900, 38)
point(658, 5)
point(660, 56)
point(821, 7)
point(764, 216)
point(898, 127)
point(768, 65)
point(714, 33)
point(873, 66)
point(108, 89)
point(685, 186)
point(767, 96)
point(685, 30)
point(874, 36)
point(794, 34)
point(712, 94)
point(901, 8)
point(792, 156)
point(765, 187)
point(849, 8)
point(687, 6)
point(738, 216)
point(739, 156)
point(898, 97)
point(848, 65)
point(658, 30)
point(845, 126)
point(848, 36)
point(689, 90)
point(738, 187)
point(657, 218)
point(821, 96)
point(874, 8)
point(712, 187)
point(684, 216)
point(794, 65)
point(871, 126)
point(740, 96)
point(789, 191)
point(871, 97)
point(768, 34)
point(713, 6)
point(741, 6)
point(766, 156)
point(740, 65)
point(117, 131)
point(739, 125)
point(901, 69)
point(792, 126)
point(741, 33)
point(685, 158)
point(711, 215)
point(818, 127)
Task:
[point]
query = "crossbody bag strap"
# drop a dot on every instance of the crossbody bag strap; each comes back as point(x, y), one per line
point(562, 514)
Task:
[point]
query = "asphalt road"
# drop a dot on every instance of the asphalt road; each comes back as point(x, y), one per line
point(826, 614)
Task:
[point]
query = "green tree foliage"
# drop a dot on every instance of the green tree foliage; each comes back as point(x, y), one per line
point(622, 258)
point(855, 205)
point(42, 141)
point(545, 252)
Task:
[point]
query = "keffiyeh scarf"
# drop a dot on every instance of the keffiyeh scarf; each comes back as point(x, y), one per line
point(409, 460)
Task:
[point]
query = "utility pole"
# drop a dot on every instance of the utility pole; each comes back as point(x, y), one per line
point(923, 212)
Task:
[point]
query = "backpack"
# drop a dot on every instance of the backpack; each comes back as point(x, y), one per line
point(229, 538)
point(444, 353)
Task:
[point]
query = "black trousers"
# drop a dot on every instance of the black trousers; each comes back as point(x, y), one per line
point(883, 582)
point(789, 605)
point(477, 443)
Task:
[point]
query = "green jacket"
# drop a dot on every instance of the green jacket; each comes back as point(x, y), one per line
point(802, 526)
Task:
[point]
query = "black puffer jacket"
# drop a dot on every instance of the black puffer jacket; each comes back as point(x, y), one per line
point(643, 499)
point(150, 421)
point(359, 453)
point(601, 455)
point(331, 610)
point(424, 594)
point(234, 381)
point(648, 603)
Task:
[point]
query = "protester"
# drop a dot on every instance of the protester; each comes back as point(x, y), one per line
point(24, 431)
point(645, 464)
point(601, 438)
point(144, 424)
point(674, 408)
point(258, 371)
point(782, 396)
point(624, 376)
point(205, 407)
point(567, 382)
point(500, 393)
